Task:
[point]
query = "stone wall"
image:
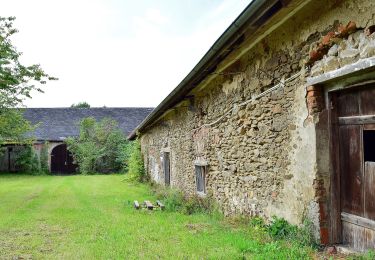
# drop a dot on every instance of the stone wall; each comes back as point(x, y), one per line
point(358, 45)
point(262, 156)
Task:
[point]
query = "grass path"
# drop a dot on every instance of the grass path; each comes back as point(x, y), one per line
point(91, 217)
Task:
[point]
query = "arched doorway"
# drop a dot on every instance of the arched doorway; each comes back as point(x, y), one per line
point(62, 160)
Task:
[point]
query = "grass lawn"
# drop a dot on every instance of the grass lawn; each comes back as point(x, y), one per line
point(91, 217)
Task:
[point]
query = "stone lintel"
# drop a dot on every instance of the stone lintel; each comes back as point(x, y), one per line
point(357, 67)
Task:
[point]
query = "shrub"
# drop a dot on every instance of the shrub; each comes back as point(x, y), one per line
point(26, 160)
point(279, 228)
point(175, 200)
point(197, 204)
point(99, 147)
point(135, 163)
point(43, 159)
point(258, 223)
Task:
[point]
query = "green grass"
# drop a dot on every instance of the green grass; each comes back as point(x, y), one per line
point(91, 217)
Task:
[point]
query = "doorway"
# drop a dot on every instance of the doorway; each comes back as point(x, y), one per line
point(62, 160)
point(353, 123)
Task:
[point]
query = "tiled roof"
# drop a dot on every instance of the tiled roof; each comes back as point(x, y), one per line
point(58, 123)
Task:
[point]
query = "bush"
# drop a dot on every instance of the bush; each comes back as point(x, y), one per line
point(43, 159)
point(26, 160)
point(175, 200)
point(99, 147)
point(135, 163)
point(258, 223)
point(279, 228)
point(172, 199)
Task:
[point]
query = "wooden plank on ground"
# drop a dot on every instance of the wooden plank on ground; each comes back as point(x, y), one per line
point(161, 205)
point(149, 205)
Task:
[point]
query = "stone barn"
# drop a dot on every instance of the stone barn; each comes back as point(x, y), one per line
point(54, 125)
point(278, 118)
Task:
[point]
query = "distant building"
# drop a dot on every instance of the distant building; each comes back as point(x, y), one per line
point(278, 118)
point(54, 125)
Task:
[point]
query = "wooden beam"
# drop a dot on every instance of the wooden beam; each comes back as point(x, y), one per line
point(149, 205)
point(357, 220)
point(356, 120)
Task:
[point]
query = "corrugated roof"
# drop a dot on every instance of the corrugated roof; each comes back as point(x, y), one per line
point(58, 123)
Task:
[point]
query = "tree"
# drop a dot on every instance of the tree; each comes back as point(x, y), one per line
point(13, 126)
point(83, 104)
point(17, 81)
point(100, 146)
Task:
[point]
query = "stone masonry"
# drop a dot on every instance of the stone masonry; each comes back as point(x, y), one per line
point(262, 156)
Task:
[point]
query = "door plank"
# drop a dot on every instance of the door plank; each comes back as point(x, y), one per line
point(351, 169)
point(348, 103)
point(335, 230)
point(369, 186)
point(369, 127)
point(353, 236)
point(357, 220)
point(369, 238)
point(367, 101)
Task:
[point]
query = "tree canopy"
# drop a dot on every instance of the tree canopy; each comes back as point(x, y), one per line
point(100, 148)
point(81, 105)
point(17, 81)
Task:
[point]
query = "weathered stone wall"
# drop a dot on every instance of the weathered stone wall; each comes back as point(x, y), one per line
point(359, 45)
point(262, 156)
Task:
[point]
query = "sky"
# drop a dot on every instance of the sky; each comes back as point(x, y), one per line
point(115, 53)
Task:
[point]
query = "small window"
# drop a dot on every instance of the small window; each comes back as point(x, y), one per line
point(369, 145)
point(167, 168)
point(200, 178)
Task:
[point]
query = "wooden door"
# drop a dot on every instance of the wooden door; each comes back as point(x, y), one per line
point(167, 168)
point(62, 160)
point(356, 147)
point(58, 159)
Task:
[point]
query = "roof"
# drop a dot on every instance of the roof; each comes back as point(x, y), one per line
point(254, 17)
point(55, 124)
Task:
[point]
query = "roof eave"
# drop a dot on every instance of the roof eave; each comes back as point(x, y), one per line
point(226, 38)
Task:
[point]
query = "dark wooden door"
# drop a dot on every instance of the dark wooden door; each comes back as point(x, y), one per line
point(62, 160)
point(356, 147)
point(167, 168)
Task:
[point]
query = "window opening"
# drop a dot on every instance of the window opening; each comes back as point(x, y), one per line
point(369, 145)
point(167, 168)
point(200, 176)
